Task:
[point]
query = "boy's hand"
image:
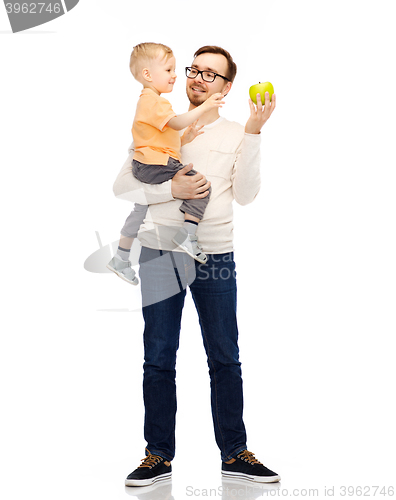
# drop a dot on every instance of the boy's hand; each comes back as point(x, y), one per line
point(260, 114)
point(214, 101)
point(191, 133)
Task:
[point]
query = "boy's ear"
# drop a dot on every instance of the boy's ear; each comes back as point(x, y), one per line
point(146, 75)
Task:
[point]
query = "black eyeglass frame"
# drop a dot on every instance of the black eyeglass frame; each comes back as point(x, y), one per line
point(202, 72)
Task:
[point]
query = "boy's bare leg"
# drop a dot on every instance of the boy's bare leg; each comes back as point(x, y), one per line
point(190, 223)
point(126, 242)
point(124, 246)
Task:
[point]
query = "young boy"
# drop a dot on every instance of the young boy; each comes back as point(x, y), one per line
point(157, 145)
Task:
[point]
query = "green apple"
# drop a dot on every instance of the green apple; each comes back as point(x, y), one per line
point(261, 88)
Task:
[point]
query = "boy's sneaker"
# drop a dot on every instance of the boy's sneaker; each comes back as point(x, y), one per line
point(246, 466)
point(189, 243)
point(152, 469)
point(123, 269)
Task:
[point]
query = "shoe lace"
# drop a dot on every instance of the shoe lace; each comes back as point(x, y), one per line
point(150, 461)
point(248, 456)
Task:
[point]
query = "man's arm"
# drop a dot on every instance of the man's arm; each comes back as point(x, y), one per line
point(246, 175)
point(245, 178)
point(182, 186)
point(127, 187)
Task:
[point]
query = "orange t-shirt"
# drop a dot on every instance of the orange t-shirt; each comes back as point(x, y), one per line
point(154, 141)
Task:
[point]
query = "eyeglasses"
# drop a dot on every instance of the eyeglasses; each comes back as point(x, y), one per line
point(207, 76)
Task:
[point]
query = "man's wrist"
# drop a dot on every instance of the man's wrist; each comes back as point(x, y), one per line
point(254, 129)
point(254, 134)
point(172, 192)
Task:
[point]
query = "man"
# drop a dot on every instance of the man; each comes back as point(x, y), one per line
point(228, 155)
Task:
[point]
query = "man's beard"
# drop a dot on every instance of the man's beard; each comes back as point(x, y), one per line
point(195, 100)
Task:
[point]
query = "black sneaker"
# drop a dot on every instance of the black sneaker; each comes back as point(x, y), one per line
point(152, 469)
point(246, 466)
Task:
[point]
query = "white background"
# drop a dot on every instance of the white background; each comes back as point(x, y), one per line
point(315, 252)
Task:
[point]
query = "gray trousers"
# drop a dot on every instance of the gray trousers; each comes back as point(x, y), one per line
point(157, 174)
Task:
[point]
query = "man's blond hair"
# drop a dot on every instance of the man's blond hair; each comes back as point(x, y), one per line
point(144, 53)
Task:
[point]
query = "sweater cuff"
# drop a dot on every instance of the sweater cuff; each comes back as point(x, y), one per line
point(159, 193)
point(257, 136)
point(251, 142)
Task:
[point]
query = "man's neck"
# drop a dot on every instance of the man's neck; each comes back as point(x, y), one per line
point(207, 118)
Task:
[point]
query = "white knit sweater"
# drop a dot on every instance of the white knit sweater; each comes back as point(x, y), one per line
point(230, 160)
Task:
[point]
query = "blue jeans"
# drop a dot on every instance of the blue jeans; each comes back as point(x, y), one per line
point(164, 278)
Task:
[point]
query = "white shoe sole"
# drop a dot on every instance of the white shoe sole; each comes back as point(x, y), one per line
point(185, 249)
point(120, 275)
point(248, 477)
point(147, 482)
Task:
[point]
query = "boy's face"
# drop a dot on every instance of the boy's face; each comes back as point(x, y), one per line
point(162, 73)
point(197, 89)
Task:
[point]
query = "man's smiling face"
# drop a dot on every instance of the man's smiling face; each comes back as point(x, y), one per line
point(197, 89)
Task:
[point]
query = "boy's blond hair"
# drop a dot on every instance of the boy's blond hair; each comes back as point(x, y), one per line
point(144, 53)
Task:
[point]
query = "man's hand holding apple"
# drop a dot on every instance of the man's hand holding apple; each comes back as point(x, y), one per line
point(259, 114)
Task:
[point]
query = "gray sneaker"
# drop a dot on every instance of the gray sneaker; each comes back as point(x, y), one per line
point(123, 269)
point(189, 243)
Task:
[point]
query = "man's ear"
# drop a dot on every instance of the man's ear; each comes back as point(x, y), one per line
point(146, 75)
point(227, 88)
